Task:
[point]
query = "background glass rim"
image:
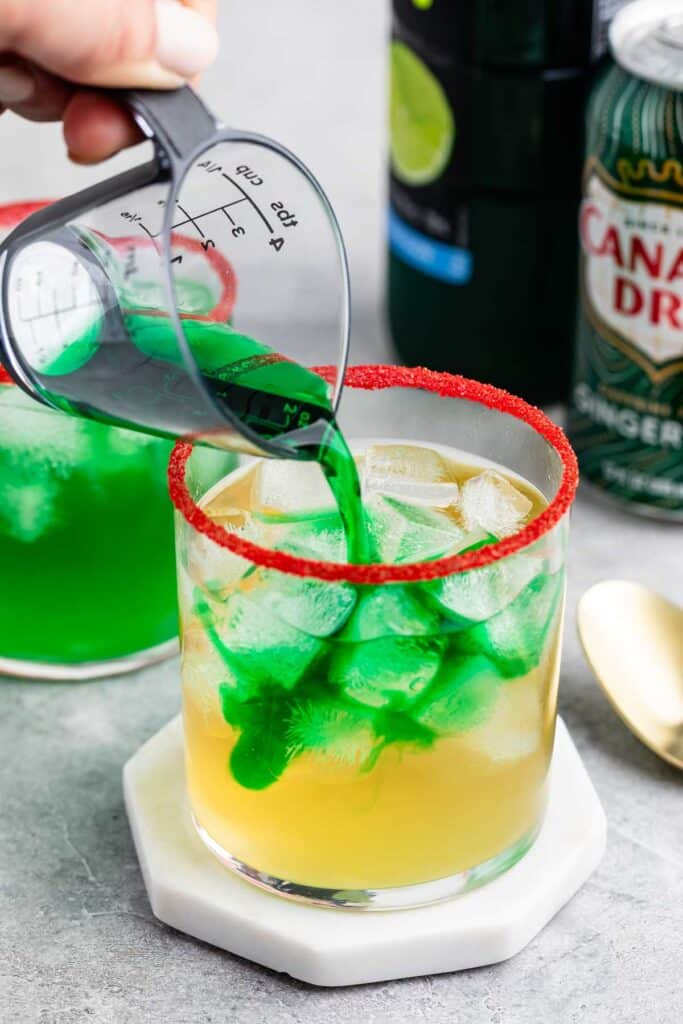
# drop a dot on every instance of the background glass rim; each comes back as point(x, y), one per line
point(11, 215)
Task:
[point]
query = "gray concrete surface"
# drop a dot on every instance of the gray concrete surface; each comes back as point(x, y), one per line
point(78, 943)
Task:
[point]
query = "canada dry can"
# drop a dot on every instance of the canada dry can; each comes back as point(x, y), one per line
point(626, 417)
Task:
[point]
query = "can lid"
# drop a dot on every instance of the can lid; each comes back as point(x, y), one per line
point(646, 38)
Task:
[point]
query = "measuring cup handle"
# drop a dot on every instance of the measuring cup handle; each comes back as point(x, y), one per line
point(177, 120)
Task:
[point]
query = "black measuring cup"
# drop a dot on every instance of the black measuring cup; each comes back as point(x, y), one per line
point(187, 296)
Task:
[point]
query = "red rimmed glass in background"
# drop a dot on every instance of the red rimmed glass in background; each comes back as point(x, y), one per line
point(86, 533)
point(378, 735)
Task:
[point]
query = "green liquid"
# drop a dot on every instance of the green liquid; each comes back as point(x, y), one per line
point(304, 667)
point(311, 665)
point(86, 538)
point(390, 666)
point(86, 532)
point(273, 397)
point(337, 463)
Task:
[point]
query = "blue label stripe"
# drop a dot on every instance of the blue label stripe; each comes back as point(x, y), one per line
point(445, 262)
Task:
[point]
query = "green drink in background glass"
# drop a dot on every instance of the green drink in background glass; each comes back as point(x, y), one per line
point(86, 543)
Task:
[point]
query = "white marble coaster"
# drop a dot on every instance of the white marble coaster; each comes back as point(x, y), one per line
point(190, 890)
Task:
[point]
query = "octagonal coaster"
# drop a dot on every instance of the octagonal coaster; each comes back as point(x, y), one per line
point(191, 891)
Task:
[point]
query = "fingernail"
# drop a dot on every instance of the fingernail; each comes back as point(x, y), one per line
point(187, 43)
point(16, 85)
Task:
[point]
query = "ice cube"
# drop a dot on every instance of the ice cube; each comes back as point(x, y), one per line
point(378, 672)
point(203, 671)
point(28, 511)
point(409, 472)
point(332, 729)
point(402, 532)
point(38, 450)
point(217, 568)
point(315, 607)
point(128, 443)
point(185, 587)
point(515, 728)
point(389, 610)
point(476, 595)
point(463, 695)
point(40, 440)
point(516, 638)
point(319, 537)
point(286, 486)
point(552, 548)
point(493, 504)
point(258, 647)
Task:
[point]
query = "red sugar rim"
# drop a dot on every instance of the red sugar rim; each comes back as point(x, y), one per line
point(12, 214)
point(375, 378)
point(225, 273)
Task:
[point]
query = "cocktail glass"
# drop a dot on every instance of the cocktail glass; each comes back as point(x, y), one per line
point(86, 539)
point(85, 545)
point(377, 736)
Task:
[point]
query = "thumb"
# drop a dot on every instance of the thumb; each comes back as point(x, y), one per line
point(143, 43)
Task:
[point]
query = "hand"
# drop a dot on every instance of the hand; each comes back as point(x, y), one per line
point(50, 47)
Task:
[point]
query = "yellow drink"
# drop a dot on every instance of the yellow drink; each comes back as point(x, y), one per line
point(418, 816)
point(350, 805)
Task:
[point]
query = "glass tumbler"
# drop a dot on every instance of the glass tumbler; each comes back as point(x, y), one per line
point(86, 539)
point(377, 735)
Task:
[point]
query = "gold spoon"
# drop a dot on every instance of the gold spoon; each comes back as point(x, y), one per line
point(633, 640)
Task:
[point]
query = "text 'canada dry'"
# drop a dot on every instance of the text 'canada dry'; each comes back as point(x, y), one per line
point(627, 400)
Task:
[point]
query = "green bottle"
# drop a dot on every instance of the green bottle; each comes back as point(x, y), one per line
point(487, 104)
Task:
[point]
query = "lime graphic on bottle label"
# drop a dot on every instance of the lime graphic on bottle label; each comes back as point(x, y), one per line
point(422, 123)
